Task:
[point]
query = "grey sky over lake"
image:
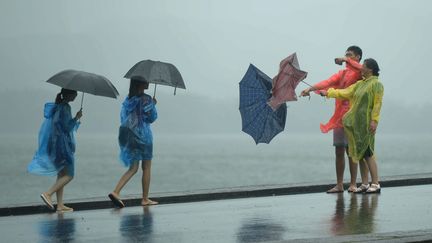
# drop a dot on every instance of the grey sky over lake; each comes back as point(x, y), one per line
point(211, 43)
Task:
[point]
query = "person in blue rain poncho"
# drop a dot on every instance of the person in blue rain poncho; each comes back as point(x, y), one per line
point(55, 154)
point(135, 139)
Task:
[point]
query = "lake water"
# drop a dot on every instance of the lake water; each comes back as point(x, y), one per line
point(204, 161)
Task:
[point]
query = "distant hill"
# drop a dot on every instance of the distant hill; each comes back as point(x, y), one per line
point(21, 112)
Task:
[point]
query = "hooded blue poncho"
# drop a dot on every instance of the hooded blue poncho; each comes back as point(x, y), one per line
point(135, 135)
point(56, 142)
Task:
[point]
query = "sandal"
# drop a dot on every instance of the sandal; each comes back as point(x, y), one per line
point(47, 200)
point(363, 188)
point(335, 190)
point(117, 202)
point(352, 189)
point(374, 188)
point(64, 209)
point(148, 202)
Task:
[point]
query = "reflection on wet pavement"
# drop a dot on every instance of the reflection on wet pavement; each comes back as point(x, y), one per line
point(57, 229)
point(259, 219)
point(137, 227)
point(261, 230)
point(354, 217)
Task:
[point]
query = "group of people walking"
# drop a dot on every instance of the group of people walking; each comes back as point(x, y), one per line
point(55, 154)
point(357, 90)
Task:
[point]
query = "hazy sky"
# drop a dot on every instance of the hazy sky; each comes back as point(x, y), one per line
point(213, 42)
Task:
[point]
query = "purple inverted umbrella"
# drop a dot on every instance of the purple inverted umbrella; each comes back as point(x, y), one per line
point(285, 82)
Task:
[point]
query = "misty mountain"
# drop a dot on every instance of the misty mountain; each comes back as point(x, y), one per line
point(192, 113)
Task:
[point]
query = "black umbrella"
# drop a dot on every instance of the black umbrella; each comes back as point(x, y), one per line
point(85, 82)
point(157, 73)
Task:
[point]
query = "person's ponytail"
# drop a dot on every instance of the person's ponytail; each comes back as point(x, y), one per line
point(64, 95)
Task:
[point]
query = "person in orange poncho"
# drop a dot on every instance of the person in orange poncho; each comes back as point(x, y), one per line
point(340, 80)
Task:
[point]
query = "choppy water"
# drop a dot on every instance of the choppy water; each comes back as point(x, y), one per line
point(192, 162)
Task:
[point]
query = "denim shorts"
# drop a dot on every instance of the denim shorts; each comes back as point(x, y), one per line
point(339, 138)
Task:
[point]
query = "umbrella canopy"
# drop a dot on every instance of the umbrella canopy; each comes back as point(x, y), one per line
point(285, 82)
point(258, 118)
point(157, 72)
point(85, 82)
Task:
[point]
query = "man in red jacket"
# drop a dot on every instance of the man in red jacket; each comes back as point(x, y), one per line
point(340, 80)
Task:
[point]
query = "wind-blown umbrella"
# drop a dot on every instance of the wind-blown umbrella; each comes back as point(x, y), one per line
point(285, 82)
point(258, 118)
point(158, 73)
point(85, 82)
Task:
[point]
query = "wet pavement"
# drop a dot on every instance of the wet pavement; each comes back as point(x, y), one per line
point(398, 213)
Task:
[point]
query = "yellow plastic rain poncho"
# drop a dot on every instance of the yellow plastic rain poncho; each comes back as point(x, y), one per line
point(365, 99)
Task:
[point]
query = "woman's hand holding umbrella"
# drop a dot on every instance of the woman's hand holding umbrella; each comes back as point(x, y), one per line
point(78, 115)
point(305, 92)
point(323, 93)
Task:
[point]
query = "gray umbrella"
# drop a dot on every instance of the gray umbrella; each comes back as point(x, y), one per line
point(158, 73)
point(85, 82)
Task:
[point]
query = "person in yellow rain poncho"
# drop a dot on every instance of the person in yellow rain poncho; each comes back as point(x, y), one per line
point(361, 121)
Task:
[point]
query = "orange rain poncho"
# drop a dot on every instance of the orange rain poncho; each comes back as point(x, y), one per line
point(340, 80)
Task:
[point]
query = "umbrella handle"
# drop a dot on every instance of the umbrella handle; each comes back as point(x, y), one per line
point(154, 92)
point(82, 99)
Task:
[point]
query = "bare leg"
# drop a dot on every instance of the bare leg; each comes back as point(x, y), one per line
point(364, 171)
point(373, 168)
point(125, 178)
point(60, 206)
point(146, 166)
point(353, 172)
point(60, 198)
point(59, 192)
point(340, 167)
point(62, 180)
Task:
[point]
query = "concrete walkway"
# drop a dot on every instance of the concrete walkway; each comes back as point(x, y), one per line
point(398, 214)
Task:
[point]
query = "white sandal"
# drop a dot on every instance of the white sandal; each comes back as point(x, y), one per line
point(363, 188)
point(374, 188)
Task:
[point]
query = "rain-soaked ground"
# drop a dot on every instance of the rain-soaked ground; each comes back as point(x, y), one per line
point(397, 214)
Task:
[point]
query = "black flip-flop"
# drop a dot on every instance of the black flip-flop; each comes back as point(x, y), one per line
point(117, 202)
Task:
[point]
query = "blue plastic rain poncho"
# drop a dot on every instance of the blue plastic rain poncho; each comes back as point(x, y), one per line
point(56, 142)
point(135, 135)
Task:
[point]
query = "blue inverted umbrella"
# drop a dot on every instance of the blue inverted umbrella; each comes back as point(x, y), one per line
point(258, 118)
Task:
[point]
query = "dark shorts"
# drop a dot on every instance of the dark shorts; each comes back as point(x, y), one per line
point(339, 138)
point(368, 153)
